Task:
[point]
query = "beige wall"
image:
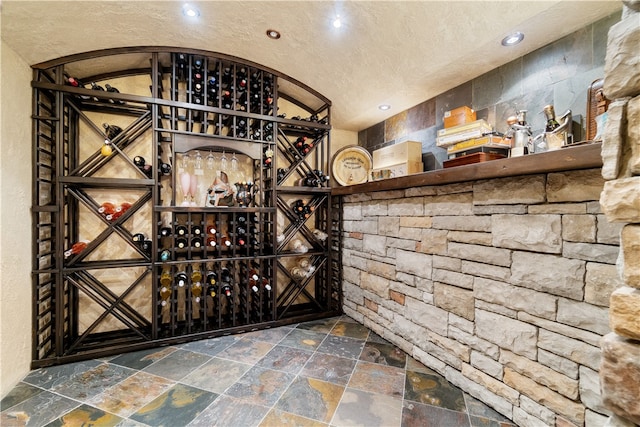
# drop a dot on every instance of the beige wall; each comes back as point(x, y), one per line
point(15, 219)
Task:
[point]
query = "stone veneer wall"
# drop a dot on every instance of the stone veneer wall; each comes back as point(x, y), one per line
point(620, 370)
point(500, 285)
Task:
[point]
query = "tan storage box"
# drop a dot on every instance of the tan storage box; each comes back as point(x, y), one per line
point(403, 152)
point(459, 116)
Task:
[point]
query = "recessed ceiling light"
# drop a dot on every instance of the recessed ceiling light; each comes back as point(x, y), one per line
point(190, 11)
point(513, 39)
point(384, 107)
point(273, 34)
point(337, 23)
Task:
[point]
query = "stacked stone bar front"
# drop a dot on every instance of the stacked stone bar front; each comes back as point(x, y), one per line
point(500, 285)
point(620, 200)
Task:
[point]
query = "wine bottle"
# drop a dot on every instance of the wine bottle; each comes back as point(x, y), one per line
point(111, 131)
point(73, 81)
point(76, 248)
point(196, 242)
point(165, 294)
point(197, 64)
point(147, 246)
point(225, 241)
point(196, 230)
point(196, 289)
point(181, 281)
point(550, 114)
point(165, 168)
point(181, 66)
point(165, 255)
point(211, 241)
point(181, 230)
point(181, 242)
point(113, 90)
point(212, 290)
point(97, 87)
point(138, 238)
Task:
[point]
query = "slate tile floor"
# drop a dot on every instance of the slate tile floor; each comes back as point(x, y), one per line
point(331, 372)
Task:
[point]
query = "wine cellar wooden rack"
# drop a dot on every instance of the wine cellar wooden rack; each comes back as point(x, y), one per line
point(178, 194)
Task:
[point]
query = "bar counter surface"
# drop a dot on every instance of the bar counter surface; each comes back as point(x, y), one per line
point(583, 156)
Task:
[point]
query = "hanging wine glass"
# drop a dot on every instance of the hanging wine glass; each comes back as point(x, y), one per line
point(234, 162)
point(186, 160)
point(195, 178)
point(198, 161)
point(185, 185)
point(224, 163)
point(211, 160)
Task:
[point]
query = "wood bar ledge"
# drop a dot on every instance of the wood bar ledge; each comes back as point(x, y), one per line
point(584, 156)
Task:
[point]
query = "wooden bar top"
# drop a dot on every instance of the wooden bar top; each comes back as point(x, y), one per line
point(585, 156)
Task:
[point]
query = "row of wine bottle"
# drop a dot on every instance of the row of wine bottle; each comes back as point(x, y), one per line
point(213, 292)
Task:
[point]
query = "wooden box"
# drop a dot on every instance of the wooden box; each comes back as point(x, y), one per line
point(472, 158)
point(394, 171)
point(403, 152)
point(459, 116)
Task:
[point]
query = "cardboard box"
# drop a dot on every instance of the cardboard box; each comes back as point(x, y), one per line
point(459, 116)
point(403, 152)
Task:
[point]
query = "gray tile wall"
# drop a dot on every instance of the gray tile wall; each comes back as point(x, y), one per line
point(559, 74)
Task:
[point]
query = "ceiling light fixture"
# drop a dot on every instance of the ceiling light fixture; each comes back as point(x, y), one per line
point(513, 39)
point(337, 23)
point(190, 11)
point(384, 107)
point(273, 34)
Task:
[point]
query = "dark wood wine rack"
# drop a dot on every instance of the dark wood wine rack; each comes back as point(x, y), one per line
point(124, 252)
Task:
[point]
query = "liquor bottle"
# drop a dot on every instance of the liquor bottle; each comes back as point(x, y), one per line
point(550, 115)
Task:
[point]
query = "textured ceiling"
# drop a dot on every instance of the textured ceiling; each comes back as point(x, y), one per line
point(387, 52)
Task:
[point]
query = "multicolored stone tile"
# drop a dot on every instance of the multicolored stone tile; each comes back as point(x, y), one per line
point(414, 366)
point(142, 359)
point(216, 375)
point(130, 423)
point(287, 359)
point(131, 394)
point(373, 337)
point(322, 325)
point(273, 335)
point(433, 390)
point(478, 409)
point(416, 414)
point(37, 411)
point(178, 364)
point(384, 354)
point(93, 382)
point(86, 415)
point(50, 377)
point(306, 340)
point(342, 346)
point(311, 398)
point(247, 351)
point(486, 422)
point(379, 378)
point(212, 346)
point(229, 411)
point(350, 329)
point(366, 409)
point(18, 394)
point(330, 368)
point(177, 406)
point(278, 418)
point(260, 386)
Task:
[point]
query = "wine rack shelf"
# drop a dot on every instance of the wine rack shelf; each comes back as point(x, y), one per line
point(178, 194)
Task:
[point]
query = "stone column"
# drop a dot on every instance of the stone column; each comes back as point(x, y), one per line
point(620, 201)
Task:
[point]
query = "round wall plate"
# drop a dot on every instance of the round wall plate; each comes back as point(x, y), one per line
point(351, 165)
